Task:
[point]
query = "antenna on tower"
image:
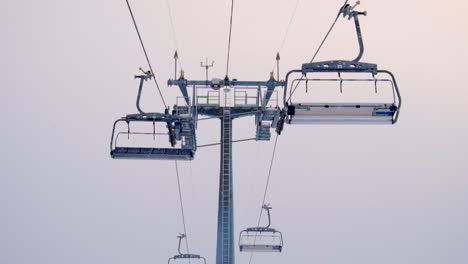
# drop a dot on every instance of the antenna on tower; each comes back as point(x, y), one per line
point(176, 58)
point(207, 67)
point(278, 58)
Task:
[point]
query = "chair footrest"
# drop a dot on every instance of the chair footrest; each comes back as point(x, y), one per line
point(341, 113)
point(152, 153)
point(260, 248)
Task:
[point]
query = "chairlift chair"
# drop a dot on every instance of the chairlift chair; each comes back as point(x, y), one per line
point(315, 112)
point(180, 128)
point(185, 258)
point(261, 239)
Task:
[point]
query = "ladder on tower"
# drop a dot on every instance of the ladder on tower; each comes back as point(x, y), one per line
point(225, 221)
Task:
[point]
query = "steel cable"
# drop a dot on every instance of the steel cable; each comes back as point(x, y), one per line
point(182, 207)
point(174, 34)
point(146, 53)
point(230, 38)
point(288, 28)
point(266, 189)
point(318, 50)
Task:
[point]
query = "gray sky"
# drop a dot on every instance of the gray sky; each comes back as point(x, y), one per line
point(340, 194)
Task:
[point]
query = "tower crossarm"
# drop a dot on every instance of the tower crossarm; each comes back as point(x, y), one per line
point(222, 83)
point(270, 86)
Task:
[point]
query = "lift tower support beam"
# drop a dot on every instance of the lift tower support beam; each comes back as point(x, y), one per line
point(225, 253)
point(225, 240)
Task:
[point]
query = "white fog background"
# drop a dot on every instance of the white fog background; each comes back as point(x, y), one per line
point(341, 194)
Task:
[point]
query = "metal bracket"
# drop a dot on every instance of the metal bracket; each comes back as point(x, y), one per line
point(339, 66)
point(267, 208)
point(349, 12)
point(180, 237)
point(143, 78)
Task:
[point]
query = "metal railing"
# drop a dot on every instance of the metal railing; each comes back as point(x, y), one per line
point(246, 96)
point(212, 98)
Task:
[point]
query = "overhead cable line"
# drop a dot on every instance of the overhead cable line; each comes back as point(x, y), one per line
point(182, 207)
point(146, 53)
point(266, 188)
point(176, 45)
point(328, 33)
point(233, 141)
point(174, 34)
point(319, 48)
point(236, 115)
point(230, 37)
point(286, 34)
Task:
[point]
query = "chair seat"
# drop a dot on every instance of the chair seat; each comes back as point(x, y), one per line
point(152, 153)
point(187, 256)
point(346, 113)
point(261, 248)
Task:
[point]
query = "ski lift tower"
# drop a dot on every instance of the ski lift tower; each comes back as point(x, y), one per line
point(213, 99)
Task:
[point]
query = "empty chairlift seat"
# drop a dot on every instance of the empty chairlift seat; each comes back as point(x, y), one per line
point(261, 239)
point(342, 113)
point(149, 144)
point(182, 258)
point(361, 97)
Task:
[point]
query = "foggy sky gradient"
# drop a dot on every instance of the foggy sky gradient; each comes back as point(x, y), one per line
point(341, 194)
